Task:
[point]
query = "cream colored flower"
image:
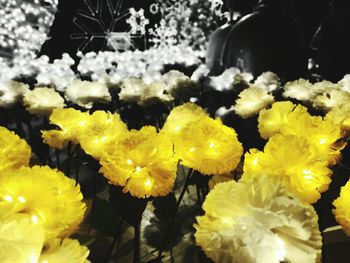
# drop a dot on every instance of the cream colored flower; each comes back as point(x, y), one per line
point(173, 78)
point(225, 80)
point(269, 81)
point(299, 89)
point(11, 92)
point(42, 101)
point(330, 99)
point(21, 240)
point(258, 222)
point(251, 101)
point(344, 83)
point(136, 90)
point(86, 93)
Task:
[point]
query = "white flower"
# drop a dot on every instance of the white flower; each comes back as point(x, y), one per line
point(330, 99)
point(173, 78)
point(11, 92)
point(299, 90)
point(320, 88)
point(42, 101)
point(59, 74)
point(136, 90)
point(243, 79)
point(225, 80)
point(258, 222)
point(86, 93)
point(251, 101)
point(345, 83)
point(201, 72)
point(268, 81)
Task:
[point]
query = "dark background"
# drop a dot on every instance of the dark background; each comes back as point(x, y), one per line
point(330, 48)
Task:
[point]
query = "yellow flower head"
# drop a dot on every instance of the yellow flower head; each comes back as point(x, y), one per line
point(340, 116)
point(14, 152)
point(209, 146)
point(72, 124)
point(180, 116)
point(47, 195)
point(101, 130)
point(272, 121)
point(342, 208)
point(260, 219)
point(293, 160)
point(22, 240)
point(142, 162)
point(290, 119)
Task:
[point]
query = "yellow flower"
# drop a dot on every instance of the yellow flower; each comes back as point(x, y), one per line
point(47, 195)
point(342, 208)
point(260, 219)
point(294, 161)
point(21, 240)
point(273, 120)
point(68, 250)
point(102, 128)
point(71, 122)
point(42, 101)
point(208, 146)
point(180, 116)
point(251, 101)
point(290, 119)
point(142, 162)
point(340, 116)
point(14, 152)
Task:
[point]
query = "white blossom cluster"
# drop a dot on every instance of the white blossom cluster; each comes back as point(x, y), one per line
point(24, 26)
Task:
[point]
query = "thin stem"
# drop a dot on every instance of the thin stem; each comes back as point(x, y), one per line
point(137, 245)
point(77, 165)
point(115, 238)
point(58, 163)
point(182, 194)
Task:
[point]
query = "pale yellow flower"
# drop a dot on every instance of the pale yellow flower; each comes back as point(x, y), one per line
point(342, 208)
point(259, 221)
point(251, 101)
point(42, 101)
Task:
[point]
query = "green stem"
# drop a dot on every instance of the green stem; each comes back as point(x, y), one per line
point(182, 194)
point(137, 244)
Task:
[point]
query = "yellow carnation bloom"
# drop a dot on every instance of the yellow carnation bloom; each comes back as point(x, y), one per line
point(102, 128)
point(21, 240)
point(293, 160)
point(142, 162)
point(340, 116)
point(180, 116)
point(272, 121)
point(47, 195)
point(71, 122)
point(342, 208)
point(15, 152)
point(258, 220)
point(290, 119)
point(68, 250)
point(209, 146)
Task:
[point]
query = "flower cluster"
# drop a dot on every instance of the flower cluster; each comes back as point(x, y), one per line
point(323, 95)
point(260, 220)
point(299, 151)
point(39, 209)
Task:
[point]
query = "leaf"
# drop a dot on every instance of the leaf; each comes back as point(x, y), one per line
point(104, 218)
point(128, 207)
